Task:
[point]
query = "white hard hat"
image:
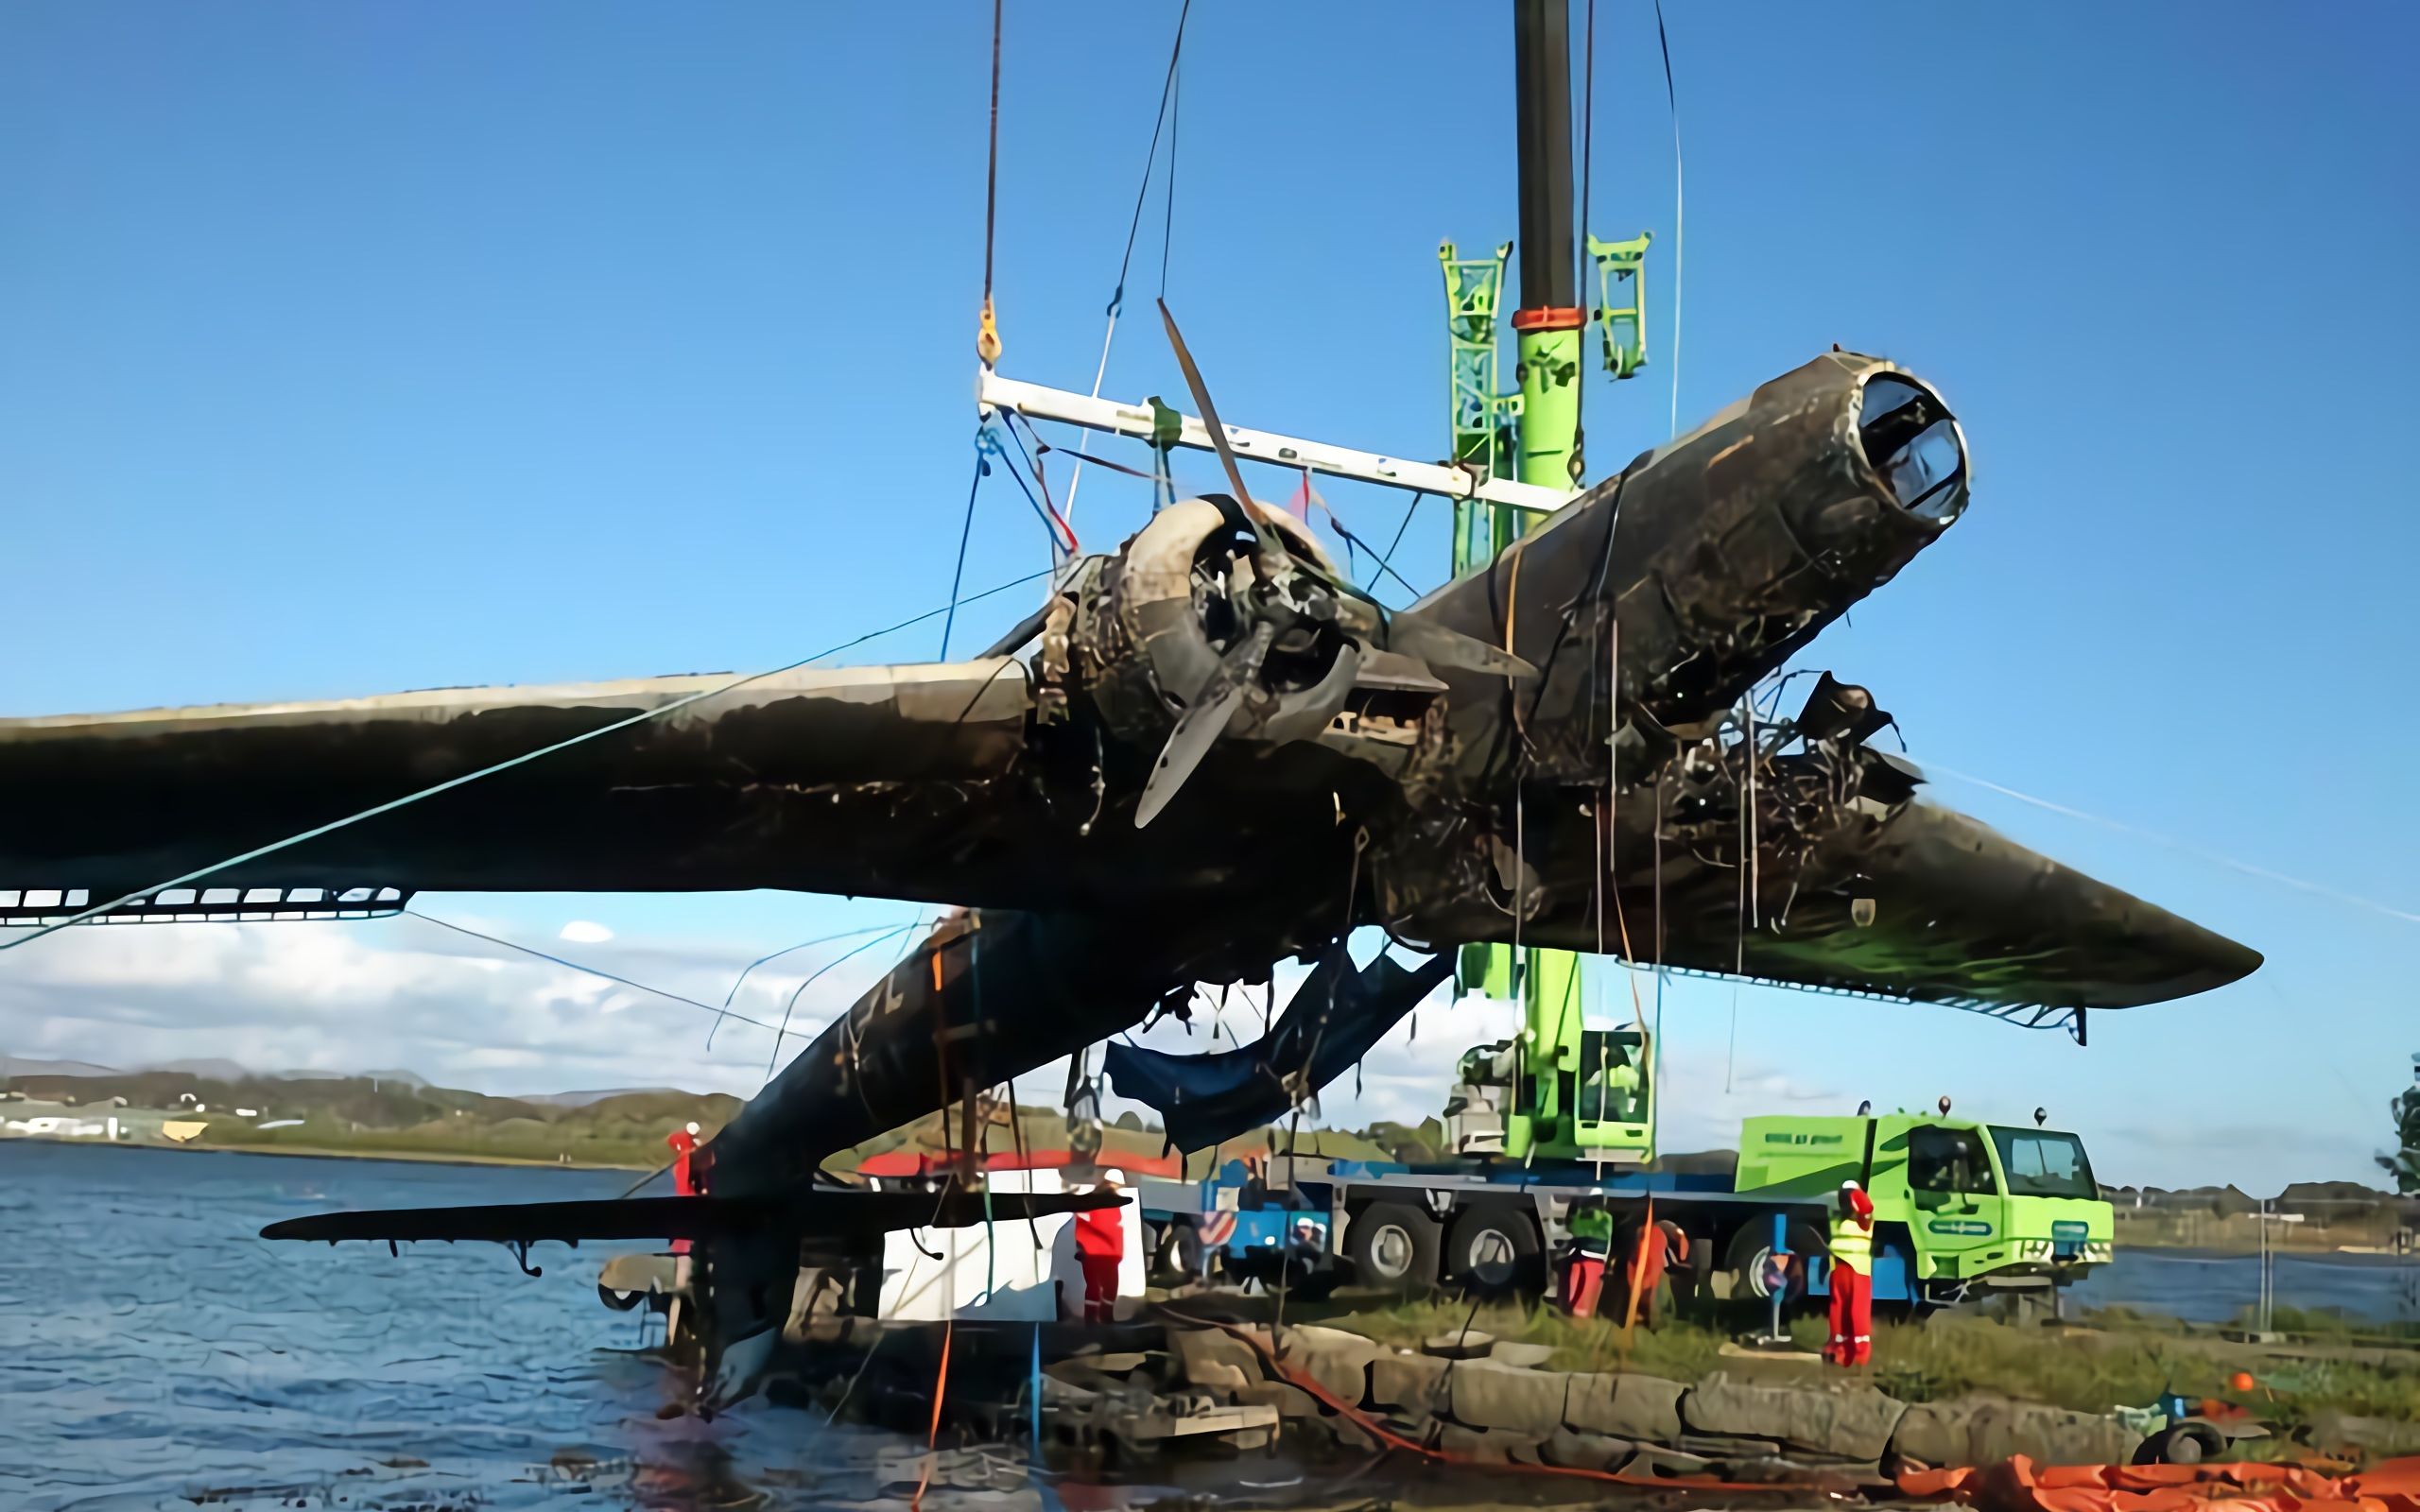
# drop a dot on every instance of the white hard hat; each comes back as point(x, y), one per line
point(1849, 1185)
point(693, 1128)
point(1113, 1177)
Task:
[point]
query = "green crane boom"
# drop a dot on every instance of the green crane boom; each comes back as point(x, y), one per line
point(1535, 433)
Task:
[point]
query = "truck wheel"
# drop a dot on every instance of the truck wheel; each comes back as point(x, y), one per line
point(1750, 1249)
point(1395, 1249)
point(618, 1301)
point(1494, 1250)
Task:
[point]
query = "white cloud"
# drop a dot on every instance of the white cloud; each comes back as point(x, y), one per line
point(585, 932)
point(404, 993)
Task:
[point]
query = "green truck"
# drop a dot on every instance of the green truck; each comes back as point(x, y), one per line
point(1961, 1208)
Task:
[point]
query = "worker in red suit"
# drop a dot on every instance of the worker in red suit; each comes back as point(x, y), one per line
point(685, 1172)
point(1851, 1277)
point(1100, 1246)
point(684, 1144)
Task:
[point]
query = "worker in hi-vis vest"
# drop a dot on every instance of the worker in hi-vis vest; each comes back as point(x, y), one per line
point(1851, 1277)
point(1584, 1269)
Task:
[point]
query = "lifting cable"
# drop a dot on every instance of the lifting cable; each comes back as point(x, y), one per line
point(643, 717)
point(987, 336)
point(1672, 102)
point(1062, 540)
point(1142, 192)
point(965, 531)
point(1579, 250)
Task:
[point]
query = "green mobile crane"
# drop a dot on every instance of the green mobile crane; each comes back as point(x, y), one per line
point(1533, 432)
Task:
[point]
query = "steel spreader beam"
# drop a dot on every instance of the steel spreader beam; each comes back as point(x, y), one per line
point(1034, 402)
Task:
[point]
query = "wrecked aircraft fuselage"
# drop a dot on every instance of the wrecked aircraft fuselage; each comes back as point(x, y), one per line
point(1212, 754)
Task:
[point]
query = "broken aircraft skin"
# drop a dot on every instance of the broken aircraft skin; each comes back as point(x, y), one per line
point(1341, 768)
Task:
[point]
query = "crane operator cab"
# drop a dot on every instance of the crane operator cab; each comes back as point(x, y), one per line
point(1591, 1097)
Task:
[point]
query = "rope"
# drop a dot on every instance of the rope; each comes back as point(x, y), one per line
point(1062, 535)
point(1672, 102)
point(966, 532)
point(1134, 225)
point(820, 939)
point(782, 1031)
point(525, 758)
point(585, 970)
point(2185, 848)
point(1168, 215)
point(933, 1429)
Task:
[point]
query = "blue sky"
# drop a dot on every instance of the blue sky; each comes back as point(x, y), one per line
point(345, 348)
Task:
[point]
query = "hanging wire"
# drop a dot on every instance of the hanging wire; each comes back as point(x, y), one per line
point(987, 336)
point(1134, 224)
point(723, 1012)
point(965, 531)
point(372, 812)
point(805, 944)
point(1167, 214)
point(2182, 846)
point(1062, 535)
point(1672, 101)
point(781, 1032)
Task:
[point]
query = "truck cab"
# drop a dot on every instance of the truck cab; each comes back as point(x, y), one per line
point(1955, 1200)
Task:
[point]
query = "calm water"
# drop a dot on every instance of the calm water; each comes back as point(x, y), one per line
point(2217, 1288)
point(153, 1351)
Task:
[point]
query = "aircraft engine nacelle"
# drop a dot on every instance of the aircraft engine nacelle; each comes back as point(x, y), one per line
point(1180, 597)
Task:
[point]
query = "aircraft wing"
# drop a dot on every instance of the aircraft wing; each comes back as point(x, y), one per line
point(870, 779)
point(821, 1213)
point(1961, 914)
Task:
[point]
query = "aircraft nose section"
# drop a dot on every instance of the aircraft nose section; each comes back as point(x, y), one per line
point(1915, 446)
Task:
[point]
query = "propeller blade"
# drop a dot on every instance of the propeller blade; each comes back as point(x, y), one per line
point(1441, 648)
point(1198, 728)
point(1269, 538)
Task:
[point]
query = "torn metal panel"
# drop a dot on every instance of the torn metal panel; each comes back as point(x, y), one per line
point(1955, 911)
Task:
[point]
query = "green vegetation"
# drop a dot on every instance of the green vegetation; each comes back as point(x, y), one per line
point(2404, 1164)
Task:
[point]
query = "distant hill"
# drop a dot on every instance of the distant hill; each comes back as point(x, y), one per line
point(215, 1069)
point(395, 1113)
point(585, 1099)
point(24, 1066)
